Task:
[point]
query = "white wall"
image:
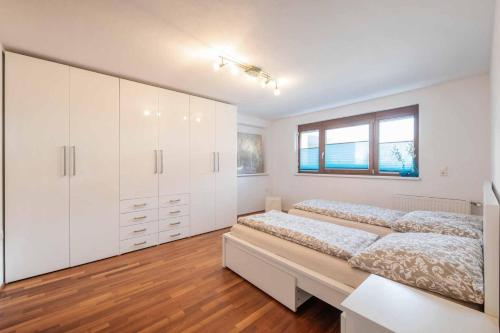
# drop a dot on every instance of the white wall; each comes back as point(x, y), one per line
point(495, 100)
point(252, 190)
point(454, 132)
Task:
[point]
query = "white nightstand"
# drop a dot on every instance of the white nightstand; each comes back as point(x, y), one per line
point(380, 305)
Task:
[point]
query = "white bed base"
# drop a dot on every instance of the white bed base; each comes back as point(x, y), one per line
point(292, 284)
point(287, 282)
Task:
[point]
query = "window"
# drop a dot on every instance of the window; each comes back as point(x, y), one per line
point(396, 144)
point(378, 143)
point(309, 151)
point(347, 148)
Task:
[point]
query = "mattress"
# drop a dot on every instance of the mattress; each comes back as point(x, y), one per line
point(353, 212)
point(327, 265)
point(378, 230)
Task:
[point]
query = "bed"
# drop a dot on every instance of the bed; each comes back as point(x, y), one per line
point(291, 273)
point(383, 221)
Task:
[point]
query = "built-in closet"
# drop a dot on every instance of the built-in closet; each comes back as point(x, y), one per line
point(96, 166)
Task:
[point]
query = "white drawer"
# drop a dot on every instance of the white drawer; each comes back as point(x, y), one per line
point(174, 200)
point(138, 243)
point(139, 230)
point(174, 211)
point(174, 223)
point(171, 235)
point(138, 217)
point(133, 205)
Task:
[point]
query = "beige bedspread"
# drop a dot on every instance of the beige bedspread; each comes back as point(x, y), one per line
point(375, 229)
point(324, 237)
point(354, 212)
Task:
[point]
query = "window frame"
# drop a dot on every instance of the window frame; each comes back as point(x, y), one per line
point(373, 120)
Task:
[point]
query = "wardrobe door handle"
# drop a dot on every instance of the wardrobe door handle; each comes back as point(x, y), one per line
point(218, 162)
point(137, 218)
point(175, 223)
point(73, 160)
point(213, 156)
point(140, 230)
point(161, 161)
point(175, 212)
point(141, 243)
point(140, 205)
point(175, 235)
point(65, 157)
point(174, 201)
point(156, 161)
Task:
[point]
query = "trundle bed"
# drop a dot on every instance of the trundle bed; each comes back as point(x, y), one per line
point(291, 273)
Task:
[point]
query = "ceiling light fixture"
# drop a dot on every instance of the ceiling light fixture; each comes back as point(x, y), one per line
point(218, 64)
point(277, 92)
point(253, 73)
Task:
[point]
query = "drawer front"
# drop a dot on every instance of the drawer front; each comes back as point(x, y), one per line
point(138, 217)
point(134, 205)
point(174, 223)
point(175, 211)
point(171, 235)
point(138, 230)
point(138, 243)
point(174, 200)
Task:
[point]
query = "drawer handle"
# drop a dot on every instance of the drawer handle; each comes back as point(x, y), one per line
point(140, 230)
point(140, 217)
point(175, 212)
point(174, 201)
point(141, 243)
point(140, 205)
point(175, 223)
point(175, 235)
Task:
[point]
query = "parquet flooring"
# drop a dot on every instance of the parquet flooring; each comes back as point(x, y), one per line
point(174, 287)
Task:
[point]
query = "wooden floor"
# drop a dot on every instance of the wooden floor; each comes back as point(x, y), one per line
point(175, 287)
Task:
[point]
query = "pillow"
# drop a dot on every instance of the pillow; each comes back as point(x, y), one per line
point(448, 265)
point(441, 223)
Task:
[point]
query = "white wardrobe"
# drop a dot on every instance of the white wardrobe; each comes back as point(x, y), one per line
point(213, 165)
point(154, 166)
point(96, 166)
point(61, 166)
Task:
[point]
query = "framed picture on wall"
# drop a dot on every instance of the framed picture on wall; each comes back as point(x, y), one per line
point(250, 154)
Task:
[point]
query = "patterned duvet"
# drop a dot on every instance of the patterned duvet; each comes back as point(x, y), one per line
point(352, 212)
point(335, 240)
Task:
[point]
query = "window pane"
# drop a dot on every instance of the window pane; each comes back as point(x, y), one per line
point(309, 151)
point(347, 147)
point(396, 145)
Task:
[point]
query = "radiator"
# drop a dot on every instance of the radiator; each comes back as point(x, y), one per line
point(409, 203)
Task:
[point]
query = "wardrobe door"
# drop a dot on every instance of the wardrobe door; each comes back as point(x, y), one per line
point(226, 187)
point(36, 173)
point(203, 158)
point(173, 143)
point(138, 140)
point(94, 166)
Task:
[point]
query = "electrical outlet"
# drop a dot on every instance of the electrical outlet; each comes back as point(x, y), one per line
point(444, 172)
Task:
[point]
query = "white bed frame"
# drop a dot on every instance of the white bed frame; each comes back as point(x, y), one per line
point(292, 284)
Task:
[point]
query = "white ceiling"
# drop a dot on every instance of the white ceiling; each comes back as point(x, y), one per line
point(327, 53)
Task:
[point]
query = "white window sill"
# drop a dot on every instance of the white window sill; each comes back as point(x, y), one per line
point(253, 175)
point(358, 176)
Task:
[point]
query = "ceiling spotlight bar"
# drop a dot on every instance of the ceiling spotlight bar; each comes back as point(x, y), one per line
point(253, 72)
